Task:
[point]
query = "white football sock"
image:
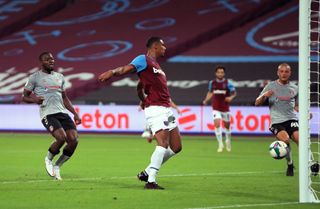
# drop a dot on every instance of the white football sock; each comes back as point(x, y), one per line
point(168, 154)
point(219, 135)
point(228, 134)
point(155, 164)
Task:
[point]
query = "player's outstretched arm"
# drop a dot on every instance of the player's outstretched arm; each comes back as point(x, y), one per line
point(26, 97)
point(116, 72)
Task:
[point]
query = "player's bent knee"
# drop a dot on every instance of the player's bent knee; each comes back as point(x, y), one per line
point(177, 150)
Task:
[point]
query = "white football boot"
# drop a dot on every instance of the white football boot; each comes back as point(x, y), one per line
point(56, 170)
point(49, 167)
point(220, 148)
point(228, 145)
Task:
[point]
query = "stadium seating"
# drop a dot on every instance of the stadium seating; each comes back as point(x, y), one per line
point(89, 38)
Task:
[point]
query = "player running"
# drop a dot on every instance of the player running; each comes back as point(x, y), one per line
point(221, 92)
point(157, 110)
point(282, 96)
point(48, 87)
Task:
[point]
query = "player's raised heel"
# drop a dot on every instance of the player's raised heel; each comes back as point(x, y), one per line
point(57, 175)
point(152, 185)
point(49, 167)
point(143, 176)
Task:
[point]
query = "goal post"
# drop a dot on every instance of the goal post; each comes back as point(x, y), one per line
point(307, 194)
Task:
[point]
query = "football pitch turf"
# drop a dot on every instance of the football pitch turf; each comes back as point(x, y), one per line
point(102, 174)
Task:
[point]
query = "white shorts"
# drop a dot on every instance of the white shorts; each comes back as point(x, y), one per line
point(225, 116)
point(160, 118)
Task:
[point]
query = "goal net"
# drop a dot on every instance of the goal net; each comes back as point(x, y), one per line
point(309, 100)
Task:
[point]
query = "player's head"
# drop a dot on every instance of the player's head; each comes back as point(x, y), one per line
point(220, 71)
point(156, 46)
point(47, 61)
point(284, 72)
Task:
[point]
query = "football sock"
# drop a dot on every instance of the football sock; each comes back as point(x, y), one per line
point(228, 134)
point(62, 159)
point(155, 164)
point(219, 135)
point(168, 154)
point(289, 155)
point(50, 156)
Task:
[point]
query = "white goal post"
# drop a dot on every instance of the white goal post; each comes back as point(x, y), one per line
point(308, 49)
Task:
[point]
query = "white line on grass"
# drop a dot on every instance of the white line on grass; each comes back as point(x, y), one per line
point(131, 177)
point(249, 205)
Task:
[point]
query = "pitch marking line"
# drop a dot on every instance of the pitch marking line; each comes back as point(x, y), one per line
point(132, 177)
point(249, 205)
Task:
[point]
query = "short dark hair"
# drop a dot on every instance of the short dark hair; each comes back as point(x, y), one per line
point(42, 54)
point(152, 40)
point(220, 67)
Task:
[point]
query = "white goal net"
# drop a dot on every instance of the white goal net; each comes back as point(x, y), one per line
point(309, 100)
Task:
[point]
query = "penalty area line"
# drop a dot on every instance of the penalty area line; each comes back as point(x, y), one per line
point(249, 205)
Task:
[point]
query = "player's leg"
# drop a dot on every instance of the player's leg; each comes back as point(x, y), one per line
point(159, 124)
point(292, 128)
point(284, 136)
point(162, 137)
point(295, 137)
point(59, 135)
point(52, 124)
point(175, 145)
point(226, 121)
point(218, 132)
point(72, 142)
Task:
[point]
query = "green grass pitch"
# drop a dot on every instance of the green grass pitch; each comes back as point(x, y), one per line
point(102, 174)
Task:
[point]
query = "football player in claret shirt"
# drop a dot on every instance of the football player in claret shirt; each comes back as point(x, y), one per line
point(221, 93)
point(157, 109)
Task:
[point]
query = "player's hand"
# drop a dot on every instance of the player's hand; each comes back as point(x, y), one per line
point(228, 99)
point(77, 119)
point(204, 102)
point(105, 76)
point(268, 93)
point(39, 100)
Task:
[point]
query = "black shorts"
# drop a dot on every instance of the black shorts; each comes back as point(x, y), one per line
point(59, 120)
point(289, 126)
